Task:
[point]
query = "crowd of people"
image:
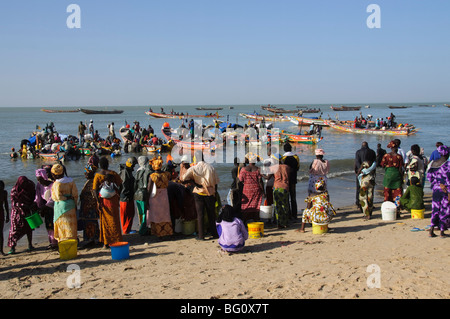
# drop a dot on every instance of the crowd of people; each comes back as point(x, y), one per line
point(405, 169)
point(164, 192)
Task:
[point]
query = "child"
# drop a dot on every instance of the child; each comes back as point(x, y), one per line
point(4, 212)
point(413, 196)
point(108, 188)
point(231, 230)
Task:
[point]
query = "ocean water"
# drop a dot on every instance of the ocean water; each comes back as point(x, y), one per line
point(339, 147)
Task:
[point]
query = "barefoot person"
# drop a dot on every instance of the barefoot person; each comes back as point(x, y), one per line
point(439, 177)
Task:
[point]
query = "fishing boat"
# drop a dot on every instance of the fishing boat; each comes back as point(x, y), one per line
point(181, 116)
point(277, 110)
point(88, 111)
point(265, 117)
point(304, 139)
point(188, 144)
point(345, 108)
point(60, 111)
point(152, 148)
point(447, 105)
point(409, 130)
point(308, 110)
point(298, 120)
point(52, 157)
point(209, 108)
point(398, 107)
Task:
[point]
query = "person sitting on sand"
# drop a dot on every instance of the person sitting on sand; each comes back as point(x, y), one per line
point(231, 230)
point(413, 196)
point(319, 210)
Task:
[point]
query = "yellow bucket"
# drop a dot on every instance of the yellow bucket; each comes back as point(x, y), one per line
point(68, 249)
point(255, 230)
point(319, 229)
point(417, 213)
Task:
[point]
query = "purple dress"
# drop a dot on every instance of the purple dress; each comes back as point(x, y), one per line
point(232, 235)
point(440, 210)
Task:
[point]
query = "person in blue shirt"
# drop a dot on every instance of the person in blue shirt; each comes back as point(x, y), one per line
point(435, 154)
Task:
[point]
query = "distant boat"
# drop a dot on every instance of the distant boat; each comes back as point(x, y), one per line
point(87, 111)
point(209, 108)
point(447, 105)
point(398, 107)
point(60, 111)
point(345, 108)
point(181, 116)
point(367, 106)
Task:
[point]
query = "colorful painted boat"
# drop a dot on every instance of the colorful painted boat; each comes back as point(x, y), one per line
point(266, 118)
point(178, 116)
point(348, 129)
point(152, 148)
point(304, 139)
point(191, 145)
point(52, 157)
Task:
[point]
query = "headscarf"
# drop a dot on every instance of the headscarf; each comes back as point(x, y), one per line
point(23, 191)
point(131, 161)
point(443, 150)
point(157, 164)
point(320, 185)
point(391, 144)
point(41, 172)
point(57, 170)
point(319, 151)
point(142, 162)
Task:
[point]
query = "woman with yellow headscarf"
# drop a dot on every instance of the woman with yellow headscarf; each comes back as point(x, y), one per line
point(65, 196)
point(158, 214)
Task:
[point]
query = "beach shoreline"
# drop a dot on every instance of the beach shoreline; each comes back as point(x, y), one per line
point(284, 264)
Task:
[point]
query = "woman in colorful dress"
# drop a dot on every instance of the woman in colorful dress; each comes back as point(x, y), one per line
point(109, 208)
point(281, 193)
point(319, 210)
point(393, 176)
point(158, 215)
point(88, 208)
point(65, 197)
point(45, 203)
point(439, 177)
point(319, 169)
point(253, 190)
point(366, 180)
point(22, 202)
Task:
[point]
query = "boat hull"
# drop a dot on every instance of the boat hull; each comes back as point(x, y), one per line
point(346, 129)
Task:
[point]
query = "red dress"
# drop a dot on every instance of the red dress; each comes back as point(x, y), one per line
point(252, 192)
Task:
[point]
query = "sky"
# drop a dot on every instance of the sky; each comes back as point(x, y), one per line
point(217, 52)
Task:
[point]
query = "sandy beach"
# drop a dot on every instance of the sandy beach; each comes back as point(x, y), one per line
point(284, 264)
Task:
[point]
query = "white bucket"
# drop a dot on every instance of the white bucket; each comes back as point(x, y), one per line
point(178, 225)
point(388, 211)
point(266, 212)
